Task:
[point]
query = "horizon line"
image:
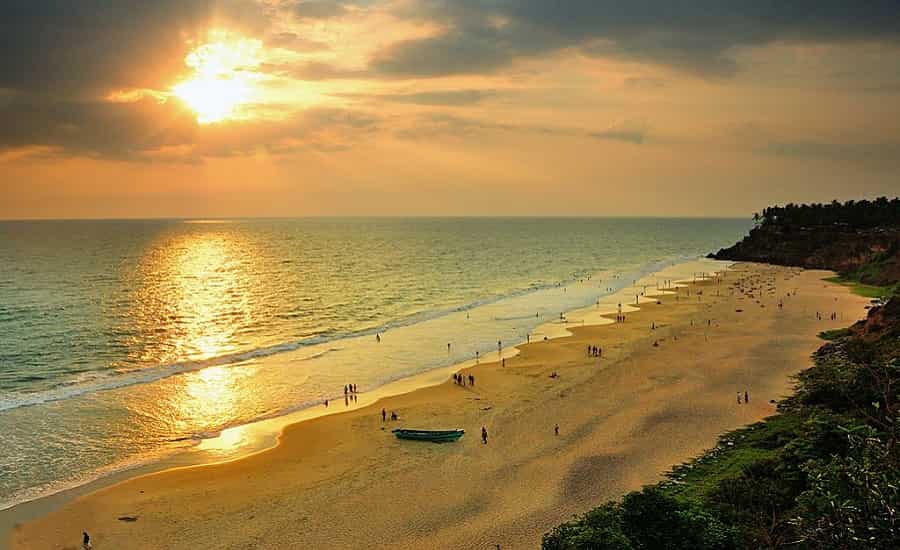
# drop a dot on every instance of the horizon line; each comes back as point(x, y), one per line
point(375, 216)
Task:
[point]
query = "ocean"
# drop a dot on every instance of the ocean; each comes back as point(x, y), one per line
point(123, 342)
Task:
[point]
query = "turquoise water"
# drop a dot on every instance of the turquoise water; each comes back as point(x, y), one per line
point(121, 341)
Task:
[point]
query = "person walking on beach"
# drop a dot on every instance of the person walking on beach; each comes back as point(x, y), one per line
point(484, 435)
point(746, 397)
point(86, 541)
point(739, 398)
point(383, 415)
point(556, 429)
point(471, 380)
point(326, 403)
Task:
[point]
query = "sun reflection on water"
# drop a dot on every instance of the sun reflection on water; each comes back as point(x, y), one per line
point(197, 302)
point(207, 294)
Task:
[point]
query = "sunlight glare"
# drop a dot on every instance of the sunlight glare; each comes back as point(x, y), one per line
point(224, 77)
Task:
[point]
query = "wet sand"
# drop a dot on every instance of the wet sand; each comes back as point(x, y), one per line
point(344, 481)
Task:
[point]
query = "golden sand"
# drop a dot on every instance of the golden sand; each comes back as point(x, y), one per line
point(344, 481)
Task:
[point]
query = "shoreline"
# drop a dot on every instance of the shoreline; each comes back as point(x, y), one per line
point(263, 433)
point(292, 427)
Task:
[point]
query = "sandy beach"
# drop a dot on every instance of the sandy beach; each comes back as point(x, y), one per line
point(344, 481)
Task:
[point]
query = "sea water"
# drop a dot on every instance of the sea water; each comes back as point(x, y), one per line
point(125, 341)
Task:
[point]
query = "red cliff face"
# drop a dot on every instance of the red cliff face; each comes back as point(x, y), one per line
point(881, 322)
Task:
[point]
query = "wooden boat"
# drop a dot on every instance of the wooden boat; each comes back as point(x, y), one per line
point(437, 436)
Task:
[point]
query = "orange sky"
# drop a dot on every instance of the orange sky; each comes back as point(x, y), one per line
point(444, 107)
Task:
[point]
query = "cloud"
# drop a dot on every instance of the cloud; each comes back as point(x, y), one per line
point(318, 9)
point(698, 37)
point(442, 124)
point(294, 42)
point(318, 70)
point(630, 131)
point(452, 98)
point(644, 82)
point(866, 153)
point(95, 128)
point(85, 48)
point(148, 129)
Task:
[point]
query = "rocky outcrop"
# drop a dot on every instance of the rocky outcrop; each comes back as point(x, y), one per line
point(870, 255)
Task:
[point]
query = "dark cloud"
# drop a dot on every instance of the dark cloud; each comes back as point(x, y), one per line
point(698, 36)
point(146, 129)
point(81, 48)
point(95, 128)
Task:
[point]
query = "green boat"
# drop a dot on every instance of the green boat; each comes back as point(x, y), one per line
point(437, 436)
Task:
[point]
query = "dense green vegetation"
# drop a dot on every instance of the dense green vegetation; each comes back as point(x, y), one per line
point(881, 213)
point(834, 334)
point(862, 289)
point(824, 473)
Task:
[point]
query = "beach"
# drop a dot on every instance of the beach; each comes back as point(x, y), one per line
point(344, 481)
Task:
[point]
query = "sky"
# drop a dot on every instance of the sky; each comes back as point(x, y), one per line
point(246, 108)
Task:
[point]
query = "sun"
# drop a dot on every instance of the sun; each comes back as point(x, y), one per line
point(224, 78)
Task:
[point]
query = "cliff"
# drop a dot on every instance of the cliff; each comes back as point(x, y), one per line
point(859, 240)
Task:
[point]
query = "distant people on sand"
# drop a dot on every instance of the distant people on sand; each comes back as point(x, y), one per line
point(484, 435)
point(556, 429)
point(594, 351)
point(393, 415)
point(326, 403)
point(746, 397)
point(377, 337)
point(471, 380)
point(86, 541)
point(383, 415)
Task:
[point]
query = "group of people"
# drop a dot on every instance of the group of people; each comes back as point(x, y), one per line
point(833, 316)
point(594, 351)
point(461, 379)
point(350, 394)
point(384, 415)
point(620, 317)
point(746, 398)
